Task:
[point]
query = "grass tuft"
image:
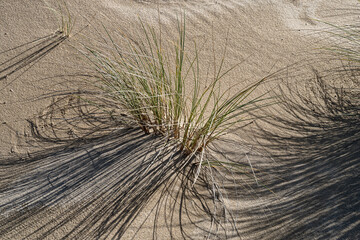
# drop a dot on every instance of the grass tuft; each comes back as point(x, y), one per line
point(147, 81)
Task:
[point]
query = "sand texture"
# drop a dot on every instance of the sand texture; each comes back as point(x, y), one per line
point(69, 171)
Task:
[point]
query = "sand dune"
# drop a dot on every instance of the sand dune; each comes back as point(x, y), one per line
point(59, 182)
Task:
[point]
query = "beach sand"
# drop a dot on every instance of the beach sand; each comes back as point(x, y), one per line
point(37, 66)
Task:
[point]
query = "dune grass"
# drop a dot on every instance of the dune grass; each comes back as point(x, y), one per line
point(158, 84)
point(65, 18)
point(347, 48)
point(148, 81)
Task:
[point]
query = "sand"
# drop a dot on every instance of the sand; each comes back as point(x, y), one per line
point(264, 36)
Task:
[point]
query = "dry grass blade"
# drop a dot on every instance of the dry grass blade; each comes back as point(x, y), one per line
point(66, 19)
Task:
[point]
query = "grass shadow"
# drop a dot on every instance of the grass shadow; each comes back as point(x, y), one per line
point(94, 174)
point(315, 137)
point(20, 59)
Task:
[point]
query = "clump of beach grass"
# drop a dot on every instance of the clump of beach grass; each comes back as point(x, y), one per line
point(149, 85)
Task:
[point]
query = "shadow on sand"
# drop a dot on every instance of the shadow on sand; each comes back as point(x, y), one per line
point(93, 173)
point(20, 59)
point(96, 174)
point(93, 177)
point(316, 142)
